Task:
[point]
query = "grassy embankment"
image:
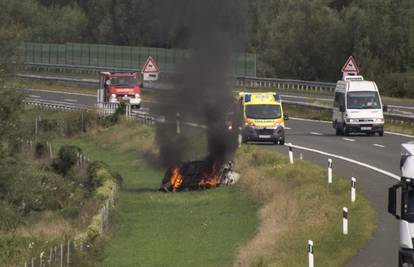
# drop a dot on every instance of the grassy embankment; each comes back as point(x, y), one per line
point(265, 220)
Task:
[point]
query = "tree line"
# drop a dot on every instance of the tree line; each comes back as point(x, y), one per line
point(301, 39)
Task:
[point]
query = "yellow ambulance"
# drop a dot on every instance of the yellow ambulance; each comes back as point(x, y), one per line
point(262, 117)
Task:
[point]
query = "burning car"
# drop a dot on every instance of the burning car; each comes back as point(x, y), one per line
point(199, 175)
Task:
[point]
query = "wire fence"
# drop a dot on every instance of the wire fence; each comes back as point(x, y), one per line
point(121, 57)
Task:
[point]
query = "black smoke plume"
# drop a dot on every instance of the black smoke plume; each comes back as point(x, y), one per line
point(213, 31)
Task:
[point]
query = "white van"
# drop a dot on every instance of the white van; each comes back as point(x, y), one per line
point(357, 107)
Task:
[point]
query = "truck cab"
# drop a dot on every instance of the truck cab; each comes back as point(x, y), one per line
point(262, 117)
point(406, 206)
point(357, 107)
point(116, 87)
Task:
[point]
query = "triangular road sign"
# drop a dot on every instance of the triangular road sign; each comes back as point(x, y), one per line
point(350, 66)
point(150, 66)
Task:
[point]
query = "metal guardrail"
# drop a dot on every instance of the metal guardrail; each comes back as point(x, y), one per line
point(239, 82)
point(389, 117)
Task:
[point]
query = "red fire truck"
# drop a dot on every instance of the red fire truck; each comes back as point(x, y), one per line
point(116, 87)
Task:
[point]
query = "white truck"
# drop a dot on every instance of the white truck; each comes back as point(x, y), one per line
point(357, 107)
point(406, 206)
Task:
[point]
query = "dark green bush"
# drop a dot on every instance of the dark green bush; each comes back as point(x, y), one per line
point(97, 173)
point(67, 158)
point(40, 149)
point(70, 212)
point(46, 125)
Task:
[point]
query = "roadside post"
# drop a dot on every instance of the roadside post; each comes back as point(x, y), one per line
point(310, 254)
point(329, 171)
point(290, 153)
point(353, 189)
point(345, 221)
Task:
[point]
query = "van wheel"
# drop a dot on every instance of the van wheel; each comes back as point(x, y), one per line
point(338, 131)
point(345, 130)
point(282, 142)
point(381, 133)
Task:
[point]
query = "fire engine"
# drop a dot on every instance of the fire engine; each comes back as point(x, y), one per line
point(117, 87)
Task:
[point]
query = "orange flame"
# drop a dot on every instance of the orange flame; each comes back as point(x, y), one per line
point(176, 179)
point(210, 180)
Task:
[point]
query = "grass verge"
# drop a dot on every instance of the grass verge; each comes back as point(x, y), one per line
point(297, 204)
point(265, 220)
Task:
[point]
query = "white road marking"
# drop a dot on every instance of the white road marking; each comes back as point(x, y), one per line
point(348, 139)
point(34, 96)
point(58, 92)
point(391, 133)
point(378, 145)
point(287, 128)
point(70, 100)
point(315, 133)
point(392, 175)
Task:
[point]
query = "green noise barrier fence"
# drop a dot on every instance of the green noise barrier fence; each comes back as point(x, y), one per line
point(93, 55)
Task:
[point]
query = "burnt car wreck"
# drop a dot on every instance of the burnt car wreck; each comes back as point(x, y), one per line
point(199, 175)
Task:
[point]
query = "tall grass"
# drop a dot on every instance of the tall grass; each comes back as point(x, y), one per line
point(297, 205)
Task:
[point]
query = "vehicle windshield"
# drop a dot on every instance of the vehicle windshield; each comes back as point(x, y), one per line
point(363, 100)
point(263, 111)
point(124, 81)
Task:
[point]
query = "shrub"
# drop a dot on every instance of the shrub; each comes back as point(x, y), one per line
point(67, 158)
point(70, 212)
point(46, 125)
point(40, 149)
point(97, 173)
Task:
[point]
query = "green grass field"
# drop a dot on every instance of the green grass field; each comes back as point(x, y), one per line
point(158, 229)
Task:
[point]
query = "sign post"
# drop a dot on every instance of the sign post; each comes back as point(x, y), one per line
point(350, 68)
point(150, 70)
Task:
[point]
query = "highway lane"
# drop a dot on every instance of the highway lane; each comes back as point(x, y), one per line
point(382, 152)
point(71, 98)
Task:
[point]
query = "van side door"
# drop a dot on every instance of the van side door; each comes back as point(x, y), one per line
point(339, 102)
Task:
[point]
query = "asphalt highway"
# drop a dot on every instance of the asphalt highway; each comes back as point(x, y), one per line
point(382, 154)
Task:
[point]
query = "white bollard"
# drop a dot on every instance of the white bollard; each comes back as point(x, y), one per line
point(33, 262)
point(345, 221)
point(353, 189)
point(310, 253)
point(240, 140)
point(301, 156)
point(290, 153)
point(329, 171)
